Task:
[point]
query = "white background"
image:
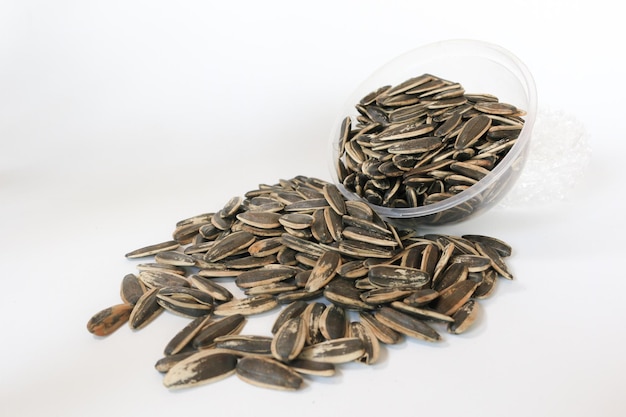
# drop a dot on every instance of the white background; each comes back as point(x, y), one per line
point(119, 118)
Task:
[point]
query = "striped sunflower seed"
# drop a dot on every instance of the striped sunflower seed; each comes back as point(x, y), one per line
point(333, 322)
point(254, 304)
point(265, 275)
point(335, 351)
point(289, 339)
point(145, 310)
point(229, 245)
point(406, 324)
point(268, 373)
point(184, 337)
point(464, 317)
point(245, 344)
point(324, 271)
point(153, 249)
point(201, 368)
point(368, 340)
point(216, 327)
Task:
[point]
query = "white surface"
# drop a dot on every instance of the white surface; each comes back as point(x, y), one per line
point(119, 118)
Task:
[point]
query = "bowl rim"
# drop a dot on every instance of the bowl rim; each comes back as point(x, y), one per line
point(441, 49)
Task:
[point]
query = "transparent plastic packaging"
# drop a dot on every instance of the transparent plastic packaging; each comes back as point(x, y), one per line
point(479, 67)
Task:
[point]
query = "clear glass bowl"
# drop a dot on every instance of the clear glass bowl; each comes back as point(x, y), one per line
point(479, 67)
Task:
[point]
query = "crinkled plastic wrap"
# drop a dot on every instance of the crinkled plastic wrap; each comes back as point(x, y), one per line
point(558, 158)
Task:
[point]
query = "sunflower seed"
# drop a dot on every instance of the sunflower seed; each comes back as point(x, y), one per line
point(154, 266)
point(369, 341)
point(503, 248)
point(186, 335)
point(110, 319)
point(358, 249)
point(293, 309)
point(343, 293)
point(352, 269)
point(200, 368)
point(333, 322)
point(307, 367)
point(289, 339)
point(498, 108)
point(495, 260)
point(295, 295)
point(368, 236)
point(218, 292)
point(421, 297)
point(249, 262)
point(386, 295)
point(454, 273)
point(218, 327)
point(174, 258)
point(244, 344)
point(474, 263)
point(264, 275)
point(296, 220)
point(253, 304)
point(132, 289)
point(311, 318)
point(335, 351)
point(229, 245)
point(145, 310)
point(153, 249)
point(189, 303)
point(323, 272)
point(302, 245)
point(464, 317)
point(334, 198)
point(307, 205)
point(166, 363)
point(268, 373)
point(487, 284)
point(383, 333)
point(159, 279)
point(407, 324)
point(420, 313)
point(232, 206)
point(453, 297)
point(397, 276)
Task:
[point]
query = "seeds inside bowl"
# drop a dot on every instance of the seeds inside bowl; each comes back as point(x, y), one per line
point(422, 141)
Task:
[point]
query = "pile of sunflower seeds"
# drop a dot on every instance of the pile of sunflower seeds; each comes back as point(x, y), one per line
point(344, 282)
point(422, 141)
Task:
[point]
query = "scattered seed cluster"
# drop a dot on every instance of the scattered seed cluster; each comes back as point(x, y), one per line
point(422, 141)
point(345, 281)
